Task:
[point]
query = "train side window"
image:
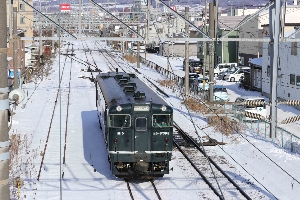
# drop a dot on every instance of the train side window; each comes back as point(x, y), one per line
point(141, 123)
point(119, 121)
point(161, 121)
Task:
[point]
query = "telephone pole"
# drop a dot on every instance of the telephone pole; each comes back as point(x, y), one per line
point(212, 34)
point(15, 48)
point(204, 47)
point(138, 64)
point(4, 106)
point(274, 30)
point(187, 67)
point(79, 19)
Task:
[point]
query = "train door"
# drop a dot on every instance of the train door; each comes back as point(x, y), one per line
point(141, 133)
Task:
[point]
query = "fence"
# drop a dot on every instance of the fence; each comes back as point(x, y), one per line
point(284, 138)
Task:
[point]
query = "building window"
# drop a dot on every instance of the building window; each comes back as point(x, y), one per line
point(294, 48)
point(268, 71)
point(292, 79)
point(219, 42)
point(298, 80)
point(22, 6)
point(22, 20)
point(200, 50)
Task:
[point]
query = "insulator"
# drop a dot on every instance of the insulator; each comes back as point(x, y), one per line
point(254, 103)
point(253, 115)
point(292, 102)
point(291, 119)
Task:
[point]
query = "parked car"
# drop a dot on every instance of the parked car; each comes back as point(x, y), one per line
point(230, 70)
point(235, 76)
point(151, 50)
point(220, 93)
point(196, 66)
point(192, 77)
point(221, 67)
point(198, 83)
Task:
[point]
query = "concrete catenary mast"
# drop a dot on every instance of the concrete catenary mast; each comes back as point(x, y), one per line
point(4, 106)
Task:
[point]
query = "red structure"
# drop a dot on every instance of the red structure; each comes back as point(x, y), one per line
point(65, 7)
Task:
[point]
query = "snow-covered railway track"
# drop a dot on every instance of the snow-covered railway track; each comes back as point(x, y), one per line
point(207, 168)
point(56, 117)
point(145, 188)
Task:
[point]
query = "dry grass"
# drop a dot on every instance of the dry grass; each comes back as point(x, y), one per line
point(195, 106)
point(130, 58)
point(169, 83)
point(225, 125)
point(21, 163)
point(222, 124)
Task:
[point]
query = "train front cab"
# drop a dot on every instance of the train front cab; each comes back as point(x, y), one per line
point(140, 140)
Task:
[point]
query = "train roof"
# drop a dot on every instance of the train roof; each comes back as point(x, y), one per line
point(121, 88)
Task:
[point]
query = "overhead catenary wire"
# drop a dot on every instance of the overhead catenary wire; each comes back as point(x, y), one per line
point(206, 156)
point(222, 148)
point(253, 145)
point(57, 24)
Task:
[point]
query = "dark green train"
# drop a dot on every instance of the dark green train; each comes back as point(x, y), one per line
point(138, 126)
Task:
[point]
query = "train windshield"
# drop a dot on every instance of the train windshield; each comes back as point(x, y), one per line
point(161, 120)
point(119, 121)
point(141, 124)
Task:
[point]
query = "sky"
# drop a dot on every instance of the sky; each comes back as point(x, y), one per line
point(263, 169)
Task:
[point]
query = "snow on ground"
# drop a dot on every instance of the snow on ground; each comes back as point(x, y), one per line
point(86, 173)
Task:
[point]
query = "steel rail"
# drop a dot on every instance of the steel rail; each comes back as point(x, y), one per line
point(211, 161)
point(129, 189)
point(155, 189)
point(199, 172)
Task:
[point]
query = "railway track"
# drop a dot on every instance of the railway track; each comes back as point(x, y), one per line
point(208, 179)
point(56, 117)
point(152, 184)
point(211, 173)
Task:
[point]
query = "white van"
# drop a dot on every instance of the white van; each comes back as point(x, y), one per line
point(221, 67)
point(237, 74)
point(258, 109)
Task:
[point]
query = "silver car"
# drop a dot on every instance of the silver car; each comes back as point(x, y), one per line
point(222, 75)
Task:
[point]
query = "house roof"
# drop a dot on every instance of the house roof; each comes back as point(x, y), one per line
point(229, 22)
point(256, 61)
point(286, 24)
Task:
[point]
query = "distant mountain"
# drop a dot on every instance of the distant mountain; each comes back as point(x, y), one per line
point(222, 3)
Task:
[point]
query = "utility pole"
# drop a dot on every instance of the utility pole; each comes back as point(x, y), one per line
point(79, 20)
point(212, 34)
point(15, 48)
point(148, 24)
point(168, 44)
point(204, 47)
point(187, 67)
point(274, 24)
point(10, 9)
point(138, 50)
point(40, 34)
point(4, 106)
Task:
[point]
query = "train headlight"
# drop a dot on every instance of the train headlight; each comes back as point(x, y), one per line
point(163, 108)
point(119, 108)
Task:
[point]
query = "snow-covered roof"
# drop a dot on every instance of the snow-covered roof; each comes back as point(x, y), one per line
point(229, 22)
point(256, 61)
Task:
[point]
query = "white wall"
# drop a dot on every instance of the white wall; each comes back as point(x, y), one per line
point(289, 64)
